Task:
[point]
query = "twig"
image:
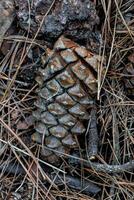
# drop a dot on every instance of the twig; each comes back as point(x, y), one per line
point(92, 136)
point(106, 168)
point(110, 169)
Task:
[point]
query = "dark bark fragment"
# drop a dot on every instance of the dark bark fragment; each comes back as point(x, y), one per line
point(86, 187)
point(75, 19)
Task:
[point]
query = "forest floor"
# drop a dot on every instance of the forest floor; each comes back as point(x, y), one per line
point(27, 30)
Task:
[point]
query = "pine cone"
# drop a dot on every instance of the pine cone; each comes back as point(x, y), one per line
point(67, 88)
point(129, 76)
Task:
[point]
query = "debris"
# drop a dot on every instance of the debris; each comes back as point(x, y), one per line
point(106, 168)
point(25, 124)
point(128, 77)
